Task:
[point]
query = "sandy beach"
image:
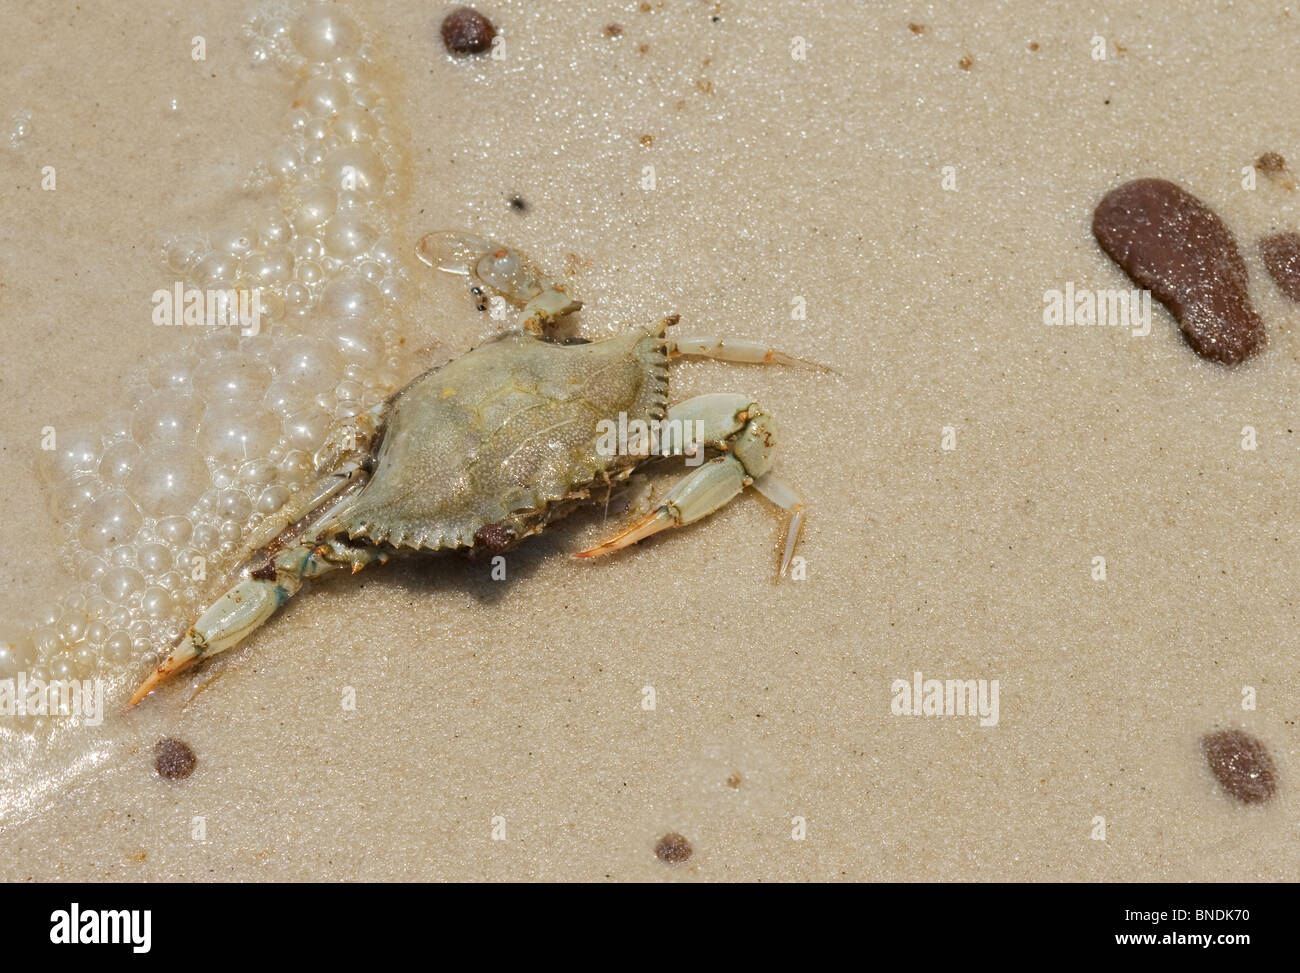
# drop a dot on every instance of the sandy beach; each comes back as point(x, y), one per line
point(890, 190)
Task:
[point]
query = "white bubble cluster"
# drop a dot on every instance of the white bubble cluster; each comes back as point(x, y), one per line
point(158, 500)
point(20, 128)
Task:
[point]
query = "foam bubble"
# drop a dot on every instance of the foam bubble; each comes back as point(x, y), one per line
point(322, 33)
point(234, 431)
point(20, 127)
point(166, 416)
point(112, 519)
point(172, 479)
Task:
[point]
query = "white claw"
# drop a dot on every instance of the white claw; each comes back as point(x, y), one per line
point(231, 617)
point(787, 499)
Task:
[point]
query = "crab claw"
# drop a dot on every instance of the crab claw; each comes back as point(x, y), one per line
point(657, 520)
point(699, 494)
point(232, 616)
point(182, 658)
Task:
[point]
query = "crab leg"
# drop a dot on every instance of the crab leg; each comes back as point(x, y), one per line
point(503, 270)
point(252, 600)
point(740, 427)
point(744, 350)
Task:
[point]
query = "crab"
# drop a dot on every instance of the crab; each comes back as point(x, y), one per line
point(489, 449)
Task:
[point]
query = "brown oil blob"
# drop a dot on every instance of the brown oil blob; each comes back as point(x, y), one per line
point(173, 758)
point(1281, 253)
point(1170, 242)
point(966, 63)
point(673, 848)
point(1241, 764)
point(466, 31)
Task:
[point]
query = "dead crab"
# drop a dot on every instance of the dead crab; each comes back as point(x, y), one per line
point(490, 448)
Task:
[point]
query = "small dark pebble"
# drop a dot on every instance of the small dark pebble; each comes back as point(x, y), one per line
point(1241, 765)
point(173, 758)
point(466, 31)
point(1281, 253)
point(673, 848)
point(1170, 242)
point(518, 204)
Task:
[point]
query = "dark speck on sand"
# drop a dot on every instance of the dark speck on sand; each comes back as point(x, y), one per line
point(1241, 764)
point(673, 848)
point(173, 758)
point(466, 31)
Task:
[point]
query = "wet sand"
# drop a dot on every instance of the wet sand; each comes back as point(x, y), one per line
point(519, 705)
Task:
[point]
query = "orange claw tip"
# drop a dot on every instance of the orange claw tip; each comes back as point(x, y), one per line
point(159, 676)
point(608, 547)
point(146, 687)
point(652, 523)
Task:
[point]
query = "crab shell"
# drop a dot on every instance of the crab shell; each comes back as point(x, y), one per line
point(490, 447)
